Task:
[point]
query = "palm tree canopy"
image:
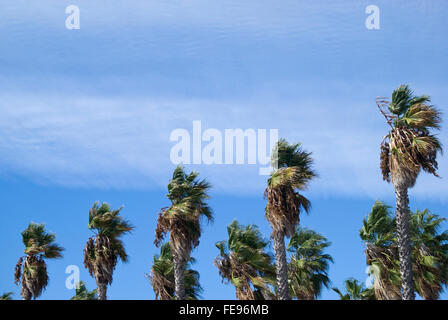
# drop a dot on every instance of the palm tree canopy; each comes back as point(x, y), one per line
point(39, 241)
point(355, 290)
point(309, 265)
point(244, 262)
point(188, 197)
point(162, 276)
point(39, 245)
point(409, 146)
point(83, 294)
point(103, 250)
point(294, 173)
point(106, 222)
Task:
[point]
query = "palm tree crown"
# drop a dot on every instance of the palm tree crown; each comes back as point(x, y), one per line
point(355, 290)
point(244, 262)
point(409, 146)
point(39, 245)
point(102, 251)
point(308, 268)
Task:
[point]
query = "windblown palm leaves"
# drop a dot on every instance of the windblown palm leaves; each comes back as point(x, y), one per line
point(83, 294)
point(162, 277)
point(244, 262)
point(308, 267)
point(182, 219)
point(39, 245)
point(102, 251)
point(355, 290)
point(409, 146)
point(285, 203)
point(429, 253)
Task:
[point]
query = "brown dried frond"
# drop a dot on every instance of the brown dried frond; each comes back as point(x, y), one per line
point(18, 271)
point(240, 275)
point(410, 151)
point(384, 288)
point(163, 288)
point(100, 258)
point(162, 228)
point(384, 161)
point(34, 277)
point(283, 209)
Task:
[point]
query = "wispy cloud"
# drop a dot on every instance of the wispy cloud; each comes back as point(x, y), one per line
point(124, 143)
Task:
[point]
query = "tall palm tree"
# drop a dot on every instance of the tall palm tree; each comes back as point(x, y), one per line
point(39, 245)
point(162, 277)
point(6, 296)
point(244, 262)
point(355, 290)
point(378, 233)
point(102, 251)
point(429, 253)
point(83, 294)
point(285, 202)
point(182, 219)
point(308, 268)
point(408, 148)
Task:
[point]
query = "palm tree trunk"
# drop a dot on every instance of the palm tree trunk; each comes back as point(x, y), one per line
point(102, 290)
point(404, 241)
point(179, 281)
point(281, 266)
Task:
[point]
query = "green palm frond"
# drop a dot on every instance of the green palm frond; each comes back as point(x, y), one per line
point(244, 262)
point(82, 293)
point(309, 265)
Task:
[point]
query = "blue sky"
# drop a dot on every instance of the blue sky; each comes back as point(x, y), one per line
point(86, 115)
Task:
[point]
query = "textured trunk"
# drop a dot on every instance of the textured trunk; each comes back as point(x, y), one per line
point(404, 241)
point(102, 291)
point(179, 271)
point(281, 266)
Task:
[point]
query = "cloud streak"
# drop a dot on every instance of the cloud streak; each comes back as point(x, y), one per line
point(124, 143)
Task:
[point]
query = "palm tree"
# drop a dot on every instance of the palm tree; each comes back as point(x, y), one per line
point(6, 296)
point(102, 251)
point(285, 203)
point(308, 268)
point(406, 149)
point(83, 294)
point(162, 277)
point(355, 291)
point(378, 233)
point(244, 262)
point(429, 253)
point(39, 245)
point(182, 219)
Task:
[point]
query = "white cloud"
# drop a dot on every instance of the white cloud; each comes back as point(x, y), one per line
point(124, 143)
